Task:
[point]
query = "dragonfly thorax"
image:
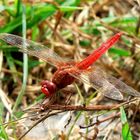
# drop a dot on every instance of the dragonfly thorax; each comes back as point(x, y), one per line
point(62, 78)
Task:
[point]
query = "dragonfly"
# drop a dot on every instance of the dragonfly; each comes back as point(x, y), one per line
point(68, 71)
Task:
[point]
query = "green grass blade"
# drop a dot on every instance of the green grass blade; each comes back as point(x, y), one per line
point(25, 64)
point(3, 134)
point(70, 8)
point(126, 133)
point(35, 32)
point(119, 51)
point(18, 7)
point(40, 13)
point(76, 119)
point(11, 64)
point(71, 2)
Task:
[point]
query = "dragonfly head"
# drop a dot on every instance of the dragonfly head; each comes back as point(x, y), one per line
point(48, 88)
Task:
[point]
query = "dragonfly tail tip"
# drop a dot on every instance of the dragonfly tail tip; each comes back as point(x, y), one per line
point(119, 34)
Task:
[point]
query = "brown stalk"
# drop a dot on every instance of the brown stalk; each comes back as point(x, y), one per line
point(83, 108)
point(101, 121)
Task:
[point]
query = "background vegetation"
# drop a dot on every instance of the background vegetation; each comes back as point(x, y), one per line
point(73, 29)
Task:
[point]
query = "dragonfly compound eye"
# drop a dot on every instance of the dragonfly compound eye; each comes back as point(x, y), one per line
point(48, 88)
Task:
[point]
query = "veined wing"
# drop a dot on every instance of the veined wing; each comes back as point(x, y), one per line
point(122, 86)
point(98, 79)
point(33, 48)
point(110, 86)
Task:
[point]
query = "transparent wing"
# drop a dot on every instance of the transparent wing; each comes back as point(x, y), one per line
point(110, 86)
point(99, 80)
point(33, 48)
point(122, 86)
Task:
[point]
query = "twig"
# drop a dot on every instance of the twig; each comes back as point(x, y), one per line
point(101, 121)
point(56, 32)
point(109, 117)
point(83, 108)
point(40, 120)
point(74, 27)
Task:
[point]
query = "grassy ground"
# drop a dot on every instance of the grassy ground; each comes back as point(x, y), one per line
point(73, 29)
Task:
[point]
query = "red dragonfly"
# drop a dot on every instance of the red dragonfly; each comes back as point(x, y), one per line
point(68, 71)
